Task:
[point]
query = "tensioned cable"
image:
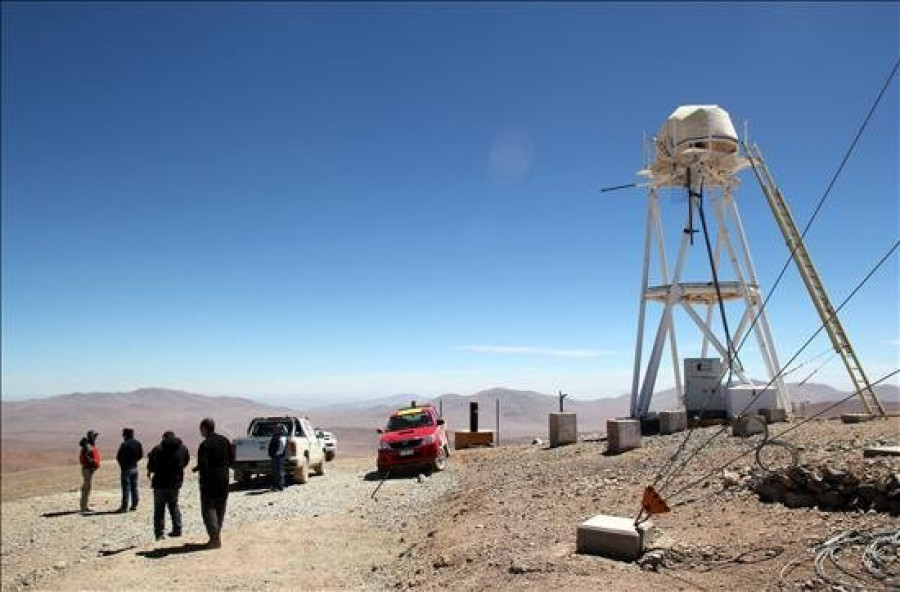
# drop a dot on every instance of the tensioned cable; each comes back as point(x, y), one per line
point(781, 435)
point(829, 349)
point(679, 468)
point(817, 369)
point(806, 228)
point(732, 353)
point(821, 202)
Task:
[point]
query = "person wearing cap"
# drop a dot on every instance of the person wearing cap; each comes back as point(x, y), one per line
point(89, 457)
point(130, 452)
point(165, 469)
point(277, 450)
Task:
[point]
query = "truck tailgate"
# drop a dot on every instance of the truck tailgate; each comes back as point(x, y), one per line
point(251, 449)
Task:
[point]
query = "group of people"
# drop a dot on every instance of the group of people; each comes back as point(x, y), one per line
point(165, 469)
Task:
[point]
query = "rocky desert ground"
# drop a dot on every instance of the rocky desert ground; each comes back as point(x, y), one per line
point(501, 519)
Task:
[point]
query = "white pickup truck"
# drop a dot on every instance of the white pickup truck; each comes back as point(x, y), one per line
point(305, 450)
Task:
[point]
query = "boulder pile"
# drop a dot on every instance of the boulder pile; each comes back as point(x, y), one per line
point(830, 489)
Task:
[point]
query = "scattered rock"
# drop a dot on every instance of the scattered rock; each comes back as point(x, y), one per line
point(731, 479)
point(652, 560)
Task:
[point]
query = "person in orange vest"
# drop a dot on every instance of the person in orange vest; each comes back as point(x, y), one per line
point(90, 462)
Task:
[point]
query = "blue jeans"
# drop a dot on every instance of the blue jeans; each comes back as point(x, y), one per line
point(278, 472)
point(163, 498)
point(129, 486)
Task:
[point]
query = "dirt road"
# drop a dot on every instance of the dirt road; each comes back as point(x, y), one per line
point(327, 534)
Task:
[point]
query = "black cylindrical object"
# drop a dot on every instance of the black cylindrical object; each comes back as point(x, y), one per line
point(473, 416)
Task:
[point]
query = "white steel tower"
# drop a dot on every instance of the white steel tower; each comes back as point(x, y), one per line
point(698, 149)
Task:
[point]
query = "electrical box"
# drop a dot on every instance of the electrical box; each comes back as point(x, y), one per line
point(703, 393)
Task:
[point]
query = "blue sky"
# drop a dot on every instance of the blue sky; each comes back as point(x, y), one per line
point(355, 200)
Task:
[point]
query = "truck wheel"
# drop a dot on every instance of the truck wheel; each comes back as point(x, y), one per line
point(329, 455)
point(301, 473)
point(320, 468)
point(242, 477)
point(440, 463)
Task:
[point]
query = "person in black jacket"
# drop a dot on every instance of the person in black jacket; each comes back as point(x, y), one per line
point(277, 451)
point(130, 452)
point(166, 464)
point(214, 457)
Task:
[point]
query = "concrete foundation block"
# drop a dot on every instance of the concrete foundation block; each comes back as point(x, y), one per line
point(622, 435)
point(465, 439)
point(747, 425)
point(613, 537)
point(855, 417)
point(563, 429)
point(871, 451)
point(774, 415)
point(671, 422)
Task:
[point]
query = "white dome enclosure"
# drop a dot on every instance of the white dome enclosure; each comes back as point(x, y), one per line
point(697, 127)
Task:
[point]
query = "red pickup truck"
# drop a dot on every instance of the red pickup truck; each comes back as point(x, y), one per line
point(414, 437)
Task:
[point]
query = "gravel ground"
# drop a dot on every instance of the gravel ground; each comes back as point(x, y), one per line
point(47, 544)
point(496, 519)
point(511, 523)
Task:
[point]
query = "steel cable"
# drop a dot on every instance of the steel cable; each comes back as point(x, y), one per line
point(673, 473)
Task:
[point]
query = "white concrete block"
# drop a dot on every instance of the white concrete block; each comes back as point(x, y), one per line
point(776, 415)
point(622, 434)
point(671, 422)
point(612, 536)
point(855, 417)
point(563, 429)
point(748, 425)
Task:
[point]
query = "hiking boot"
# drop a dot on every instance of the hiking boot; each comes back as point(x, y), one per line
point(160, 537)
point(175, 533)
point(133, 509)
point(122, 510)
point(214, 543)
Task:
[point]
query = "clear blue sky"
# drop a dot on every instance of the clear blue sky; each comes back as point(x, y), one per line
point(354, 200)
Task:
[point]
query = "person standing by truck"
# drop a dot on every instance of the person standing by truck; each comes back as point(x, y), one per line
point(214, 457)
point(130, 452)
point(277, 451)
point(166, 464)
point(89, 457)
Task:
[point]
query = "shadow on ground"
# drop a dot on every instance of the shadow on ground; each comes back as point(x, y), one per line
point(392, 475)
point(58, 514)
point(166, 551)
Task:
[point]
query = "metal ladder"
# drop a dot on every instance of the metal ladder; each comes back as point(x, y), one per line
point(813, 282)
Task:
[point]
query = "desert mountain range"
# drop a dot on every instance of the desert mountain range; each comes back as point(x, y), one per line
point(45, 431)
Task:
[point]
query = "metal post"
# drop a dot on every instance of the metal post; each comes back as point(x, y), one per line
point(473, 416)
point(498, 421)
point(562, 396)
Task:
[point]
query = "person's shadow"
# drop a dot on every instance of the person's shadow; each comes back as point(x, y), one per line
point(162, 552)
point(88, 513)
point(58, 514)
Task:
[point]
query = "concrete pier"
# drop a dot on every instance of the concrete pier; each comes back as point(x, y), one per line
point(622, 435)
point(563, 429)
point(671, 422)
point(613, 537)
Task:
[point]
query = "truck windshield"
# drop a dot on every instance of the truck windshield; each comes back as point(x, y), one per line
point(408, 420)
point(267, 428)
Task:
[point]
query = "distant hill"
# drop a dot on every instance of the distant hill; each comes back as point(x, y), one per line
point(45, 432)
point(42, 431)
